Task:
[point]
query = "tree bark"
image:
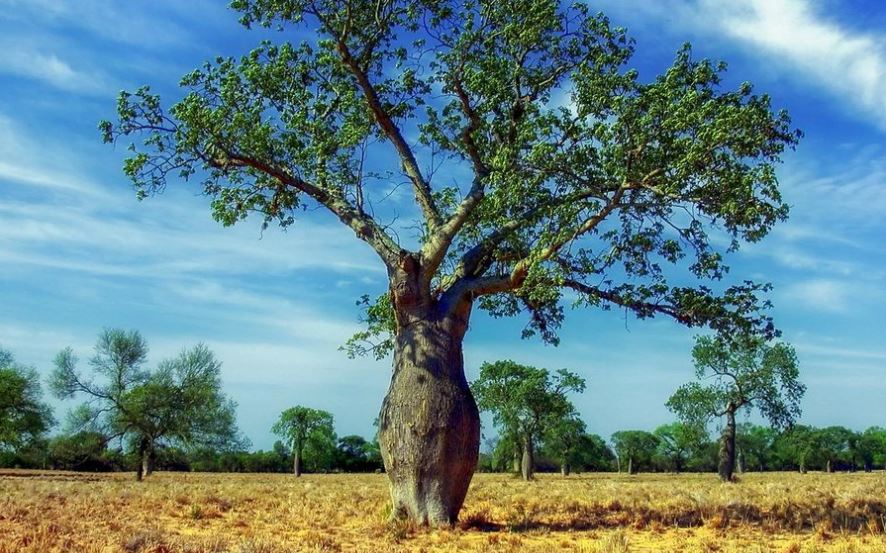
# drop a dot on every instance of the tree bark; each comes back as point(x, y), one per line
point(148, 459)
point(296, 461)
point(830, 467)
point(429, 426)
point(140, 464)
point(528, 463)
point(565, 469)
point(516, 465)
point(726, 467)
point(631, 465)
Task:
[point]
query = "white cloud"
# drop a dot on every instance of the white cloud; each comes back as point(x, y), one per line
point(796, 35)
point(850, 64)
point(48, 68)
point(820, 294)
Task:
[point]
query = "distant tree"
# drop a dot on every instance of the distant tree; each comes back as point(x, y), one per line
point(563, 440)
point(23, 415)
point(834, 446)
point(798, 447)
point(537, 199)
point(635, 449)
point(677, 442)
point(304, 428)
point(744, 373)
point(869, 448)
point(83, 451)
point(179, 403)
point(526, 401)
point(355, 454)
point(594, 454)
point(754, 445)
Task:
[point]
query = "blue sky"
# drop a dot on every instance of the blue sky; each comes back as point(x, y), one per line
point(78, 252)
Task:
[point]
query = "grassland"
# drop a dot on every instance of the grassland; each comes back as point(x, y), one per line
point(217, 513)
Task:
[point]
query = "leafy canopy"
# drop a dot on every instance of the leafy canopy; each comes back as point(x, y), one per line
point(537, 160)
point(180, 402)
point(745, 373)
point(304, 426)
point(525, 401)
point(23, 414)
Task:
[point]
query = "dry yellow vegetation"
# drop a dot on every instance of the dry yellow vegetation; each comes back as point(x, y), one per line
point(215, 513)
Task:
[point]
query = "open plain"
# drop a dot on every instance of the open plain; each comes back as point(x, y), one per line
point(50, 512)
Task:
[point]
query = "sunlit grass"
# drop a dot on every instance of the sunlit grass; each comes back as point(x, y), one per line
point(217, 513)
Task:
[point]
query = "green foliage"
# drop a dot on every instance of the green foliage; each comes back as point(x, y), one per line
point(635, 449)
point(678, 442)
point(525, 401)
point(179, 403)
point(756, 446)
point(740, 374)
point(311, 433)
point(599, 197)
point(23, 415)
point(83, 451)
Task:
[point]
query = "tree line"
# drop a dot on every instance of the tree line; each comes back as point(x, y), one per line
point(175, 417)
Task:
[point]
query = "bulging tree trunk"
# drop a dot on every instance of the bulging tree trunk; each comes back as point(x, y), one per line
point(429, 426)
point(528, 462)
point(726, 467)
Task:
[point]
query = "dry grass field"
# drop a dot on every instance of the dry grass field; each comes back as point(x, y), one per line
point(215, 513)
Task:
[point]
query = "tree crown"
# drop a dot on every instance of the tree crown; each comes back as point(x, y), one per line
point(537, 161)
point(743, 373)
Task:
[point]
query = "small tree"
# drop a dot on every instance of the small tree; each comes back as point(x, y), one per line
point(304, 428)
point(754, 444)
point(678, 441)
point(23, 415)
point(179, 403)
point(835, 445)
point(563, 441)
point(739, 374)
point(526, 401)
point(634, 448)
point(869, 447)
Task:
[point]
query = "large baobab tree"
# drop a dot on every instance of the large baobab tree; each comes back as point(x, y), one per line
point(537, 162)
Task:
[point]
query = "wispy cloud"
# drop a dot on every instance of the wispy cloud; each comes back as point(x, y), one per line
point(48, 68)
point(824, 295)
point(797, 35)
point(850, 64)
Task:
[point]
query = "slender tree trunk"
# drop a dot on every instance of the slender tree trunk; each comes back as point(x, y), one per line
point(528, 463)
point(740, 462)
point(830, 467)
point(296, 461)
point(727, 448)
point(140, 464)
point(429, 426)
point(802, 465)
point(565, 469)
point(516, 463)
point(631, 464)
point(149, 457)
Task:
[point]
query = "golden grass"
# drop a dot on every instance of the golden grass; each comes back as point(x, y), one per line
point(233, 513)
